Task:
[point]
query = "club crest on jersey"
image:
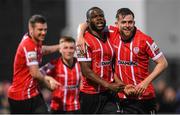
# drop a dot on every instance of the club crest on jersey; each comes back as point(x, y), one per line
point(136, 50)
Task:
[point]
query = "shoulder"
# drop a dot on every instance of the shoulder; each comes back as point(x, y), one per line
point(89, 39)
point(113, 28)
point(27, 42)
point(142, 35)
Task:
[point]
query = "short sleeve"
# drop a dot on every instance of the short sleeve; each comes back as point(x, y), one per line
point(30, 51)
point(152, 49)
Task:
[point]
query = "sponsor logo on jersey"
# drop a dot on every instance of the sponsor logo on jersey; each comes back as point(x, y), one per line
point(104, 63)
point(71, 86)
point(128, 63)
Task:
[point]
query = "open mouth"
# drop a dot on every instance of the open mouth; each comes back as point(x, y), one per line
point(100, 24)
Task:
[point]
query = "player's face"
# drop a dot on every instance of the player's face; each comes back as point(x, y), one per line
point(97, 20)
point(67, 50)
point(126, 25)
point(39, 31)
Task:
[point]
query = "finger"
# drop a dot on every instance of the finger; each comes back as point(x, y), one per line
point(140, 91)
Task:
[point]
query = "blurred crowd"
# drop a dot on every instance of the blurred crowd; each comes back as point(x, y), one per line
point(168, 97)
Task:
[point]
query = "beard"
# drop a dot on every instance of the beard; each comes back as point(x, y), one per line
point(125, 35)
point(130, 36)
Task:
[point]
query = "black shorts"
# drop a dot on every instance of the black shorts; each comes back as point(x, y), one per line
point(98, 103)
point(65, 112)
point(131, 106)
point(30, 106)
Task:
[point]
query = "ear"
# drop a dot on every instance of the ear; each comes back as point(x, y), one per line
point(30, 29)
point(87, 20)
point(60, 45)
point(116, 24)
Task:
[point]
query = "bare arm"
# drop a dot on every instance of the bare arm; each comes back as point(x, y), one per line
point(49, 82)
point(87, 72)
point(50, 49)
point(161, 65)
point(80, 35)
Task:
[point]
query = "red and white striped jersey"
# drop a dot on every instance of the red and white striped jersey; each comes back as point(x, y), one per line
point(100, 54)
point(132, 60)
point(23, 85)
point(65, 98)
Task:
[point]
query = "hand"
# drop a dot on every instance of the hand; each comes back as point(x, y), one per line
point(141, 87)
point(80, 44)
point(129, 90)
point(116, 87)
point(51, 83)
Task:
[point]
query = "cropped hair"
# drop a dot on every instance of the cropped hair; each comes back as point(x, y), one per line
point(124, 12)
point(37, 18)
point(91, 9)
point(66, 39)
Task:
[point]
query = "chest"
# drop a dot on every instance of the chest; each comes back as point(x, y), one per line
point(102, 49)
point(67, 75)
point(135, 49)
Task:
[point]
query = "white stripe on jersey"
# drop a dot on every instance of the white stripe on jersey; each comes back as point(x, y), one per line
point(112, 53)
point(77, 88)
point(102, 52)
point(132, 67)
point(119, 66)
point(65, 89)
point(29, 88)
point(119, 51)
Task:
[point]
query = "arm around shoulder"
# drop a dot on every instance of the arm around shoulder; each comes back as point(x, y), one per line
point(50, 49)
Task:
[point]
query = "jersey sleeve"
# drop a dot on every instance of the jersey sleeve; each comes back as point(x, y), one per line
point(30, 51)
point(152, 49)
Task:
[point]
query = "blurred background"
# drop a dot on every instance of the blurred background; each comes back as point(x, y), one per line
point(160, 19)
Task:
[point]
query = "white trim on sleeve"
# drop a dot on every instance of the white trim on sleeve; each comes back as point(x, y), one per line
point(157, 56)
point(84, 59)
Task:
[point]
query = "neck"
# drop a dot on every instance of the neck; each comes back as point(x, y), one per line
point(68, 62)
point(36, 42)
point(99, 34)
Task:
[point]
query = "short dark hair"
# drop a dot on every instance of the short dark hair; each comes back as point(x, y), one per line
point(124, 12)
point(89, 11)
point(66, 39)
point(37, 18)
